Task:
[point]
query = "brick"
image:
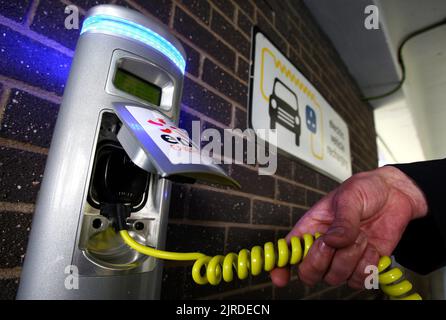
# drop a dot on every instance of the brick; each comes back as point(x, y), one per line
point(268, 29)
point(29, 119)
point(202, 100)
point(295, 290)
point(20, 175)
point(305, 175)
point(193, 60)
point(14, 232)
point(313, 197)
point(252, 182)
point(296, 214)
point(326, 184)
point(226, 30)
point(244, 23)
point(194, 32)
point(240, 119)
point(49, 20)
point(265, 8)
point(160, 9)
point(34, 63)
point(186, 122)
point(226, 6)
point(225, 83)
point(285, 166)
point(179, 204)
point(87, 4)
point(171, 288)
point(243, 69)
point(247, 8)
point(9, 289)
point(308, 60)
point(257, 294)
point(293, 38)
point(187, 238)
point(281, 234)
point(291, 193)
point(15, 10)
point(242, 238)
point(200, 8)
point(296, 59)
point(270, 214)
point(216, 206)
point(283, 25)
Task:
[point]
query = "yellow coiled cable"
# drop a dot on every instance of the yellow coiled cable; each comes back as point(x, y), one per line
point(391, 280)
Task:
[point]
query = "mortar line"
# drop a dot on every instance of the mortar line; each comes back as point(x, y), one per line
point(226, 224)
point(35, 91)
point(23, 30)
point(209, 57)
point(17, 207)
point(31, 13)
point(10, 273)
point(14, 144)
point(3, 102)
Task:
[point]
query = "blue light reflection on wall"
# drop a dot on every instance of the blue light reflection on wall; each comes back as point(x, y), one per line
point(129, 29)
point(32, 62)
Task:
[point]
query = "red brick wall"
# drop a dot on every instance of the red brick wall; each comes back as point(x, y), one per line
point(216, 36)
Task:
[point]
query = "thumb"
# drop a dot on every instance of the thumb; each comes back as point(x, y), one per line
point(280, 276)
point(348, 206)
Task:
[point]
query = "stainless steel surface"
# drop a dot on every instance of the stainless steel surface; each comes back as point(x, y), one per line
point(56, 240)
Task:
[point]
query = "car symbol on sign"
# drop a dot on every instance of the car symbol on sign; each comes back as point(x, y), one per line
point(284, 109)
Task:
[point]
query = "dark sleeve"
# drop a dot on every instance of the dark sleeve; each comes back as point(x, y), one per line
point(423, 244)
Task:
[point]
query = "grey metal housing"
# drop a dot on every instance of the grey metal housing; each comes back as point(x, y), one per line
point(53, 243)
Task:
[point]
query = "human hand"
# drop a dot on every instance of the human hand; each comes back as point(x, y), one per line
point(361, 220)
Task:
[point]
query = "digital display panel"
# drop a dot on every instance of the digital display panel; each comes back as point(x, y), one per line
point(137, 87)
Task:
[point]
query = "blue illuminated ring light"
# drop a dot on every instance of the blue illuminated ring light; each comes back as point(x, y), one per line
point(128, 29)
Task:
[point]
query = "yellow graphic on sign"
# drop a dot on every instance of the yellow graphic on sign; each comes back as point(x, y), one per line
point(300, 85)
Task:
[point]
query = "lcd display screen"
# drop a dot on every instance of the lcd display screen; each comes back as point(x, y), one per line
point(137, 87)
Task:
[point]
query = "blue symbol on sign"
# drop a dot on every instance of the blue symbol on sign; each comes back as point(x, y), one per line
point(310, 116)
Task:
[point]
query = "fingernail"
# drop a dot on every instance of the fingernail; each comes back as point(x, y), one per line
point(336, 231)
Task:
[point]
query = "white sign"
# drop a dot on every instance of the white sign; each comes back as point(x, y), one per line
point(307, 126)
point(171, 140)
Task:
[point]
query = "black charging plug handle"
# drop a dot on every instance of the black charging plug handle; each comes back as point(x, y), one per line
point(119, 186)
point(118, 213)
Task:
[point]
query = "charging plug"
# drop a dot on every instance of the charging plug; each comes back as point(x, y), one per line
point(118, 186)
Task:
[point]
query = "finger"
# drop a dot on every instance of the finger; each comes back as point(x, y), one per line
point(370, 257)
point(316, 263)
point(347, 206)
point(280, 276)
point(317, 219)
point(345, 261)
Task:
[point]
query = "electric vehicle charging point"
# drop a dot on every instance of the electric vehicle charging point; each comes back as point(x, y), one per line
point(110, 152)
